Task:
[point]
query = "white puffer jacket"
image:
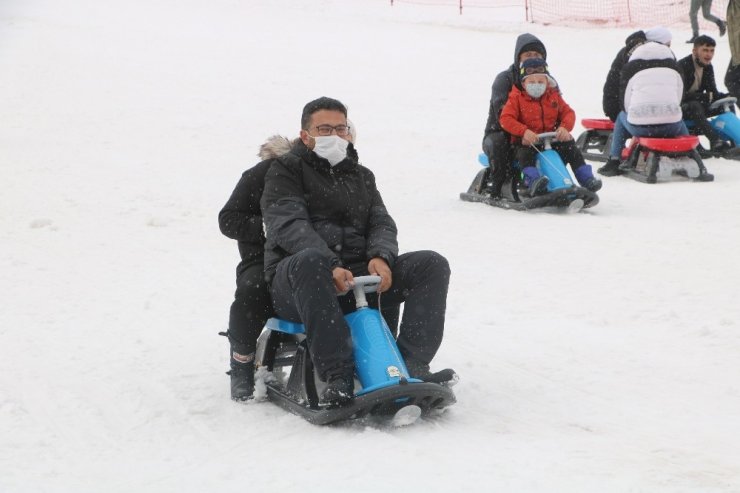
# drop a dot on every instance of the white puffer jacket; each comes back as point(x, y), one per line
point(655, 88)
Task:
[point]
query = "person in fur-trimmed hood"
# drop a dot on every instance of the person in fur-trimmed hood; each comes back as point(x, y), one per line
point(535, 108)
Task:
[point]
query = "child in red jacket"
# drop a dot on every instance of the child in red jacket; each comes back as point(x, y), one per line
point(537, 108)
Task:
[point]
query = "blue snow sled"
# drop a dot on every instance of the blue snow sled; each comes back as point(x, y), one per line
point(562, 192)
point(383, 386)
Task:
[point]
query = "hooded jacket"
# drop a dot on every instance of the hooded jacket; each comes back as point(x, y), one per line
point(545, 114)
point(241, 218)
point(651, 86)
point(338, 210)
point(507, 79)
point(611, 102)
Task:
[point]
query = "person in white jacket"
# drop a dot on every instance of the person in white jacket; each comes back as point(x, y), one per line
point(651, 90)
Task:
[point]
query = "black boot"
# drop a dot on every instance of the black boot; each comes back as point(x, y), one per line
point(339, 389)
point(420, 370)
point(242, 376)
point(611, 168)
point(722, 25)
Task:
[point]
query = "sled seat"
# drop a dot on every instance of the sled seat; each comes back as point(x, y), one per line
point(684, 143)
point(596, 139)
point(285, 326)
point(597, 124)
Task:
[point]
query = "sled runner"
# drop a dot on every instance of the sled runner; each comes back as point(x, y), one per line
point(562, 193)
point(383, 386)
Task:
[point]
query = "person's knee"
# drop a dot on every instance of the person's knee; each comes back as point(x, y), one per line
point(436, 263)
point(694, 110)
point(310, 258)
point(487, 145)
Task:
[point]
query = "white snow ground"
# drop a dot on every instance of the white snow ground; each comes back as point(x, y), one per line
point(598, 351)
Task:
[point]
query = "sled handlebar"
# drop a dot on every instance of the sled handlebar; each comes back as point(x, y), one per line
point(365, 284)
point(547, 138)
point(725, 103)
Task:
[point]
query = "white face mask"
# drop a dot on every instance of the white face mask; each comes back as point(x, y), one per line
point(536, 89)
point(333, 148)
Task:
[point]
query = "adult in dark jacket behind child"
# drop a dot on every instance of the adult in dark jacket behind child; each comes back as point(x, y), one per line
point(700, 90)
point(325, 224)
point(538, 108)
point(496, 142)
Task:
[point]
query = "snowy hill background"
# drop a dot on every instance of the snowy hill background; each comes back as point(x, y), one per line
point(597, 351)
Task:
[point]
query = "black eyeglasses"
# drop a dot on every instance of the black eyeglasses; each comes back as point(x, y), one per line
point(324, 130)
point(533, 70)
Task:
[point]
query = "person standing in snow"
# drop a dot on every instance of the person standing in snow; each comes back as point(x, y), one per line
point(325, 224)
point(536, 108)
point(706, 10)
point(496, 141)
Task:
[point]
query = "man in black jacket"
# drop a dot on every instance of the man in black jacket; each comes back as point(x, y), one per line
point(326, 223)
point(497, 142)
point(610, 100)
point(241, 220)
point(700, 89)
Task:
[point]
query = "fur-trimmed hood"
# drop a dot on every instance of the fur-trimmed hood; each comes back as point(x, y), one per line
point(275, 146)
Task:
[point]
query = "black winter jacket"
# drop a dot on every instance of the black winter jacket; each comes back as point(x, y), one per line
point(504, 81)
point(611, 102)
point(307, 203)
point(707, 92)
point(241, 217)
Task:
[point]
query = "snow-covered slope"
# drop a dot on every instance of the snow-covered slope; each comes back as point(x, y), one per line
point(597, 351)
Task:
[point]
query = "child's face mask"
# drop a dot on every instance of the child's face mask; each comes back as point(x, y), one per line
point(535, 89)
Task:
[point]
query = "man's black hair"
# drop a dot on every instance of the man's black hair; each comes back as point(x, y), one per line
point(323, 103)
point(704, 40)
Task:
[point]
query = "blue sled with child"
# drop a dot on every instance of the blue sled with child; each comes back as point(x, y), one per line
point(383, 387)
point(562, 193)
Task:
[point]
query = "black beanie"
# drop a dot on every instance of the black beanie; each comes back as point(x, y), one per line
point(534, 46)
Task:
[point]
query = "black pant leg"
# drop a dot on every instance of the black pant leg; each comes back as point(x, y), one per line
point(526, 155)
point(569, 153)
point(250, 310)
point(497, 147)
point(694, 111)
point(303, 291)
point(420, 281)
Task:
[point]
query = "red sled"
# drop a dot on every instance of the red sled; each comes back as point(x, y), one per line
point(648, 158)
point(596, 140)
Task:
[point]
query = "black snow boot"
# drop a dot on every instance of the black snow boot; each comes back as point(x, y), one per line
point(420, 370)
point(611, 168)
point(339, 389)
point(242, 376)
